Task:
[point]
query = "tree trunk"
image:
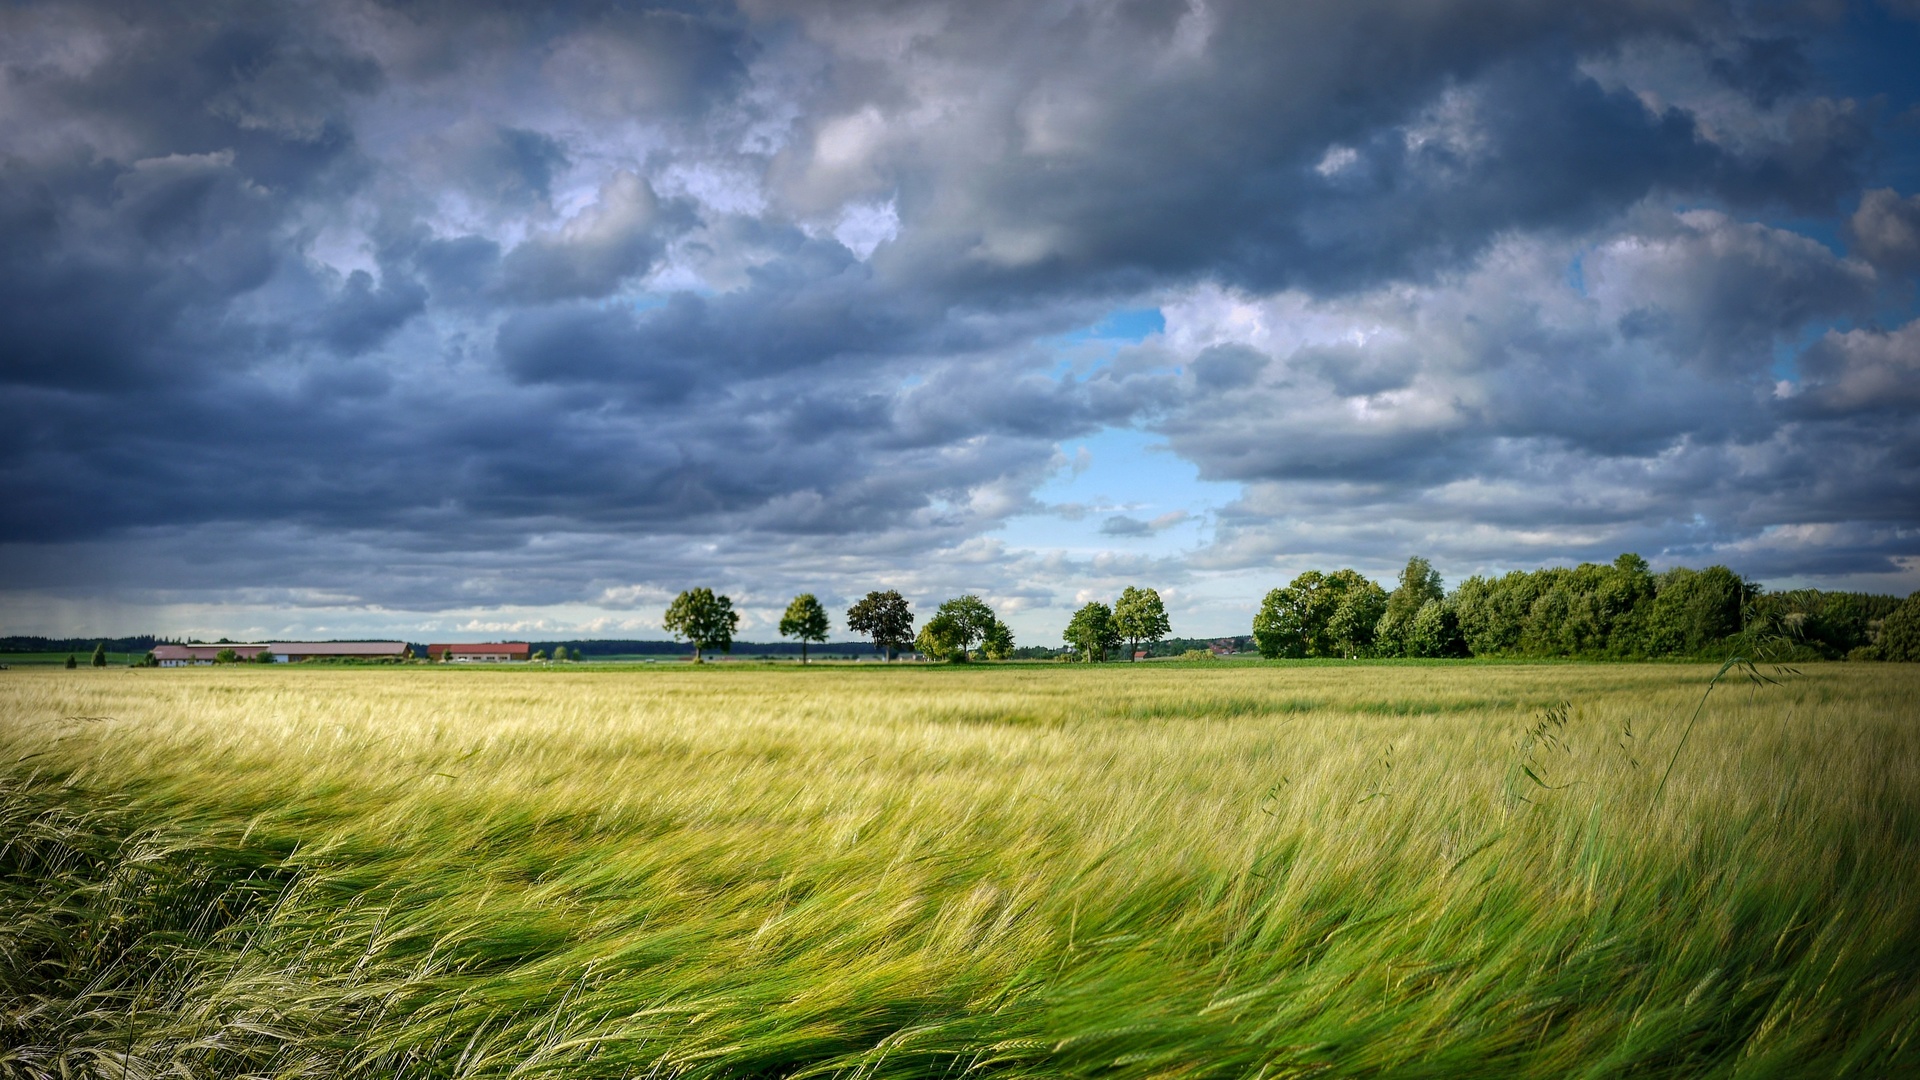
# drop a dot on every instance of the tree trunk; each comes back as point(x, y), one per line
point(696, 652)
point(803, 650)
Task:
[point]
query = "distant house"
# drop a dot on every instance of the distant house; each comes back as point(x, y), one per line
point(283, 651)
point(493, 652)
point(193, 655)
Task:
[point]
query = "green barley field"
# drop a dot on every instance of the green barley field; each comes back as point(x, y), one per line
point(1157, 870)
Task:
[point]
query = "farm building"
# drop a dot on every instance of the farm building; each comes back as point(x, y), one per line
point(191, 655)
point(283, 651)
point(287, 651)
point(493, 652)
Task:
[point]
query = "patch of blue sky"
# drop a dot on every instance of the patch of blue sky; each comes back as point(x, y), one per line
point(1121, 490)
point(1091, 346)
point(1786, 354)
point(1130, 325)
point(1577, 273)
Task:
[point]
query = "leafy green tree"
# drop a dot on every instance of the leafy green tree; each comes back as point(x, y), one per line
point(1434, 632)
point(943, 637)
point(72, 662)
point(1900, 633)
point(1092, 632)
point(1139, 616)
point(1358, 606)
point(225, 656)
point(1290, 618)
point(1493, 612)
point(1829, 624)
point(886, 617)
point(1695, 610)
point(971, 616)
point(100, 655)
point(1419, 585)
point(706, 620)
point(805, 619)
point(1320, 615)
point(264, 656)
point(997, 642)
point(538, 654)
point(560, 654)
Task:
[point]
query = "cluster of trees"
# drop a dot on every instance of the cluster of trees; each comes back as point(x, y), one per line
point(1620, 610)
point(958, 629)
point(1137, 616)
point(960, 624)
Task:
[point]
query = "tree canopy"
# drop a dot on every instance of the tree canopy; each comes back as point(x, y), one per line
point(1092, 632)
point(706, 620)
point(886, 618)
point(806, 620)
point(1900, 632)
point(997, 642)
point(943, 637)
point(1320, 615)
point(1140, 616)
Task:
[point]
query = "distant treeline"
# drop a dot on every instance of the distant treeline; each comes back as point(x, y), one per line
point(1618, 611)
point(21, 643)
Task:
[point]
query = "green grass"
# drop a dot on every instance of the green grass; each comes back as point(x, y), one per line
point(59, 659)
point(1035, 870)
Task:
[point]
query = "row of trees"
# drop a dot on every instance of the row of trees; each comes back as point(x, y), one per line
point(957, 629)
point(1620, 610)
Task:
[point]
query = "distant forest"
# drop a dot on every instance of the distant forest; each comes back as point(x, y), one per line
point(1618, 611)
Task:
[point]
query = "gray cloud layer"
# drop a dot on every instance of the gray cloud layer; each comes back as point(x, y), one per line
point(425, 307)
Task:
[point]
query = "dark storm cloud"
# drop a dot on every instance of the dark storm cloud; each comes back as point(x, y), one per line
point(1886, 230)
point(459, 288)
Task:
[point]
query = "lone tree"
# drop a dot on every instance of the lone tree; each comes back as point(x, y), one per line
point(970, 621)
point(1139, 616)
point(560, 654)
point(805, 619)
point(1092, 632)
point(100, 655)
point(884, 617)
point(704, 619)
point(71, 662)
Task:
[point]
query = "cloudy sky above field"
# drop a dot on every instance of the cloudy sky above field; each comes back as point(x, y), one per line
point(425, 319)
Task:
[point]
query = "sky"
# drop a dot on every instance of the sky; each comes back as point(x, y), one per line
point(461, 321)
